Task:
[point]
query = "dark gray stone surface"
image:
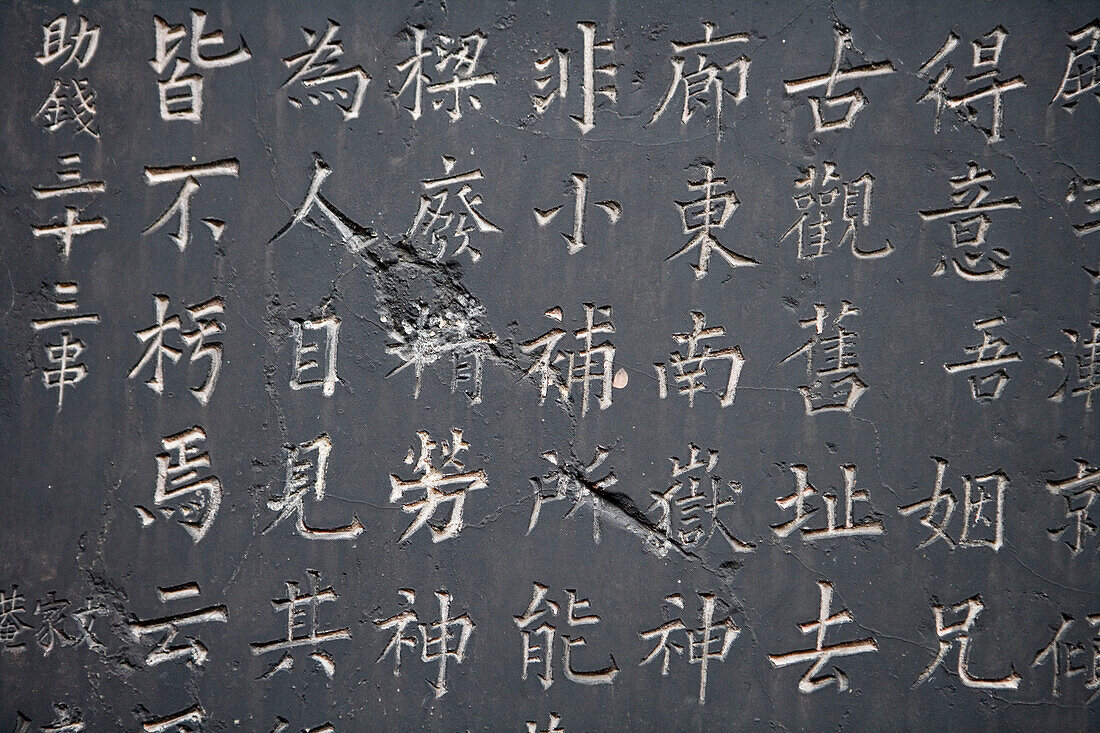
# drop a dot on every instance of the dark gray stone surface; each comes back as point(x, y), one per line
point(81, 522)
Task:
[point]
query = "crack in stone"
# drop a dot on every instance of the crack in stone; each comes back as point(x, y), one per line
point(431, 314)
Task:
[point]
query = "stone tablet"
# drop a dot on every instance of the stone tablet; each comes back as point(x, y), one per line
point(549, 366)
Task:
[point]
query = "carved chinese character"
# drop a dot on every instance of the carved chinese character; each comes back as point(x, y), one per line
point(458, 57)
point(689, 507)
point(302, 627)
point(298, 487)
point(436, 487)
point(1083, 188)
point(51, 632)
point(576, 482)
point(57, 41)
point(1085, 378)
point(592, 364)
point(315, 69)
point(333, 222)
point(711, 641)
point(12, 624)
point(705, 85)
point(180, 93)
point(991, 354)
point(983, 510)
point(179, 474)
point(690, 369)
point(948, 634)
point(1080, 76)
point(831, 363)
point(64, 370)
point(850, 527)
point(429, 231)
point(822, 654)
point(73, 226)
point(969, 219)
point(85, 618)
point(1080, 493)
point(193, 652)
point(446, 638)
point(557, 78)
point(323, 363)
point(984, 67)
point(575, 238)
point(851, 102)
point(190, 175)
point(433, 335)
point(544, 633)
point(822, 201)
point(72, 102)
point(1063, 650)
point(701, 216)
point(201, 315)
